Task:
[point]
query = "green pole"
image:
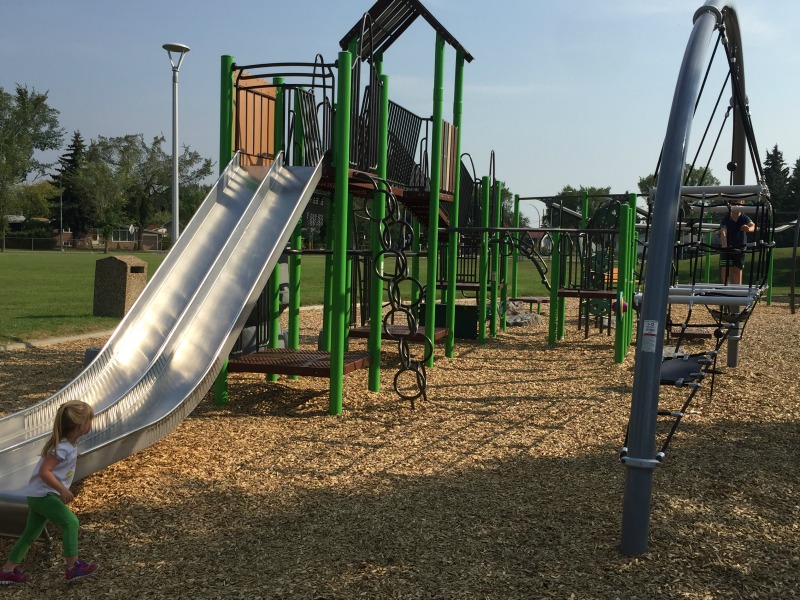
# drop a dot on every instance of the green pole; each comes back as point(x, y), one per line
point(496, 261)
point(295, 260)
point(436, 184)
point(275, 278)
point(483, 267)
point(225, 154)
point(515, 250)
point(770, 271)
point(555, 283)
point(632, 258)
point(340, 234)
point(452, 256)
point(378, 213)
point(622, 282)
point(327, 308)
point(633, 255)
point(226, 92)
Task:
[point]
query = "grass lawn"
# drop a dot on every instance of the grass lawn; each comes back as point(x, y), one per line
point(44, 294)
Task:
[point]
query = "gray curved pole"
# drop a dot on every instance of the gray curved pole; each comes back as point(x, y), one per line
point(739, 149)
point(640, 460)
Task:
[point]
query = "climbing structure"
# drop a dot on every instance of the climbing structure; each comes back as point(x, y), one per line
point(640, 456)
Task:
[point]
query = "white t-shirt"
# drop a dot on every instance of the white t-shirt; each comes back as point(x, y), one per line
point(64, 470)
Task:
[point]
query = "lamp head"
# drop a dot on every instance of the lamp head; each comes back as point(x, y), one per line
point(180, 48)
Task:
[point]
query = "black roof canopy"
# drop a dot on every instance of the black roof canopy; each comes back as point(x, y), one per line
point(390, 18)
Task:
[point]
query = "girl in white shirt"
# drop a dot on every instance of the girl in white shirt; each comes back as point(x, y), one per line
point(48, 494)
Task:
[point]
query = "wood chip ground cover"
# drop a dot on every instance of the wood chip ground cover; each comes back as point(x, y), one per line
point(504, 484)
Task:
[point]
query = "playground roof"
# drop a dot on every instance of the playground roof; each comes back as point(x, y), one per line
point(390, 18)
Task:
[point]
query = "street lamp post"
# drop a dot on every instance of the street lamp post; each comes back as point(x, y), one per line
point(181, 50)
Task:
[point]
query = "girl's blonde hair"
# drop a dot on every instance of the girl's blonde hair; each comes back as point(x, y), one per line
point(70, 415)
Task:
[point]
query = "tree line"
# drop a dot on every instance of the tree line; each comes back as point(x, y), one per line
point(109, 183)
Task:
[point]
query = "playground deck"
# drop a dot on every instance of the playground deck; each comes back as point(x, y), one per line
point(282, 361)
point(397, 331)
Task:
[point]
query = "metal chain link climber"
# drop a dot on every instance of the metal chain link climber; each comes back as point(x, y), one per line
point(395, 240)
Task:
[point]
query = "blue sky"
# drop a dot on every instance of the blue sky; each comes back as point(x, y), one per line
point(571, 92)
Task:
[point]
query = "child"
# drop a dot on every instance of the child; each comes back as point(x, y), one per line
point(48, 494)
point(733, 230)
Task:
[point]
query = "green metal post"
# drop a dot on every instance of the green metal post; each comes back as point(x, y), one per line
point(275, 278)
point(633, 255)
point(436, 184)
point(327, 304)
point(340, 221)
point(555, 283)
point(496, 260)
point(378, 213)
point(707, 253)
point(620, 335)
point(483, 267)
point(562, 317)
point(226, 92)
point(515, 251)
point(225, 155)
point(455, 237)
point(770, 272)
point(296, 243)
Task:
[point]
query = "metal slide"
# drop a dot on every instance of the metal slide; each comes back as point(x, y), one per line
point(165, 354)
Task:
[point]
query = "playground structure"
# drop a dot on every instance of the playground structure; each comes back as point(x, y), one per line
point(287, 147)
point(639, 455)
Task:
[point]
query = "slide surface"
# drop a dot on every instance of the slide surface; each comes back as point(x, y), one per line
point(166, 353)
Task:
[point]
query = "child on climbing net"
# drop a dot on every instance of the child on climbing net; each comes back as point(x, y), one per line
point(733, 230)
point(48, 494)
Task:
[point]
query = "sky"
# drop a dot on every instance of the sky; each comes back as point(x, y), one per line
point(574, 92)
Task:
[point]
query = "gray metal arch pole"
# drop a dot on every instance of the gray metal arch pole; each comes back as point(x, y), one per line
point(640, 461)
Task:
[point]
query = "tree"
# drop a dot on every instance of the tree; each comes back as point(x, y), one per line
point(76, 215)
point(570, 198)
point(690, 177)
point(776, 176)
point(103, 180)
point(793, 189)
point(32, 199)
point(142, 174)
point(27, 124)
point(152, 180)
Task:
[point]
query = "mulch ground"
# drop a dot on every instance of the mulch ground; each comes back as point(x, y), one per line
point(504, 484)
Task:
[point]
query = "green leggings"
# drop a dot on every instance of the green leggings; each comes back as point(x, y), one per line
point(41, 510)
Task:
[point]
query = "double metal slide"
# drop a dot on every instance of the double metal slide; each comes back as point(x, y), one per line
point(166, 353)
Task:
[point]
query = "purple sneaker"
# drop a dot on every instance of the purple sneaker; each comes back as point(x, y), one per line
point(12, 577)
point(80, 569)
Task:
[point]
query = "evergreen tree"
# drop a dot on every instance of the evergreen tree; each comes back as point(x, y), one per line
point(776, 176)
point(76, 214)
point(793, 189)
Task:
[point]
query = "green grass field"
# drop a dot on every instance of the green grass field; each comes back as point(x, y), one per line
point(44, 294)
